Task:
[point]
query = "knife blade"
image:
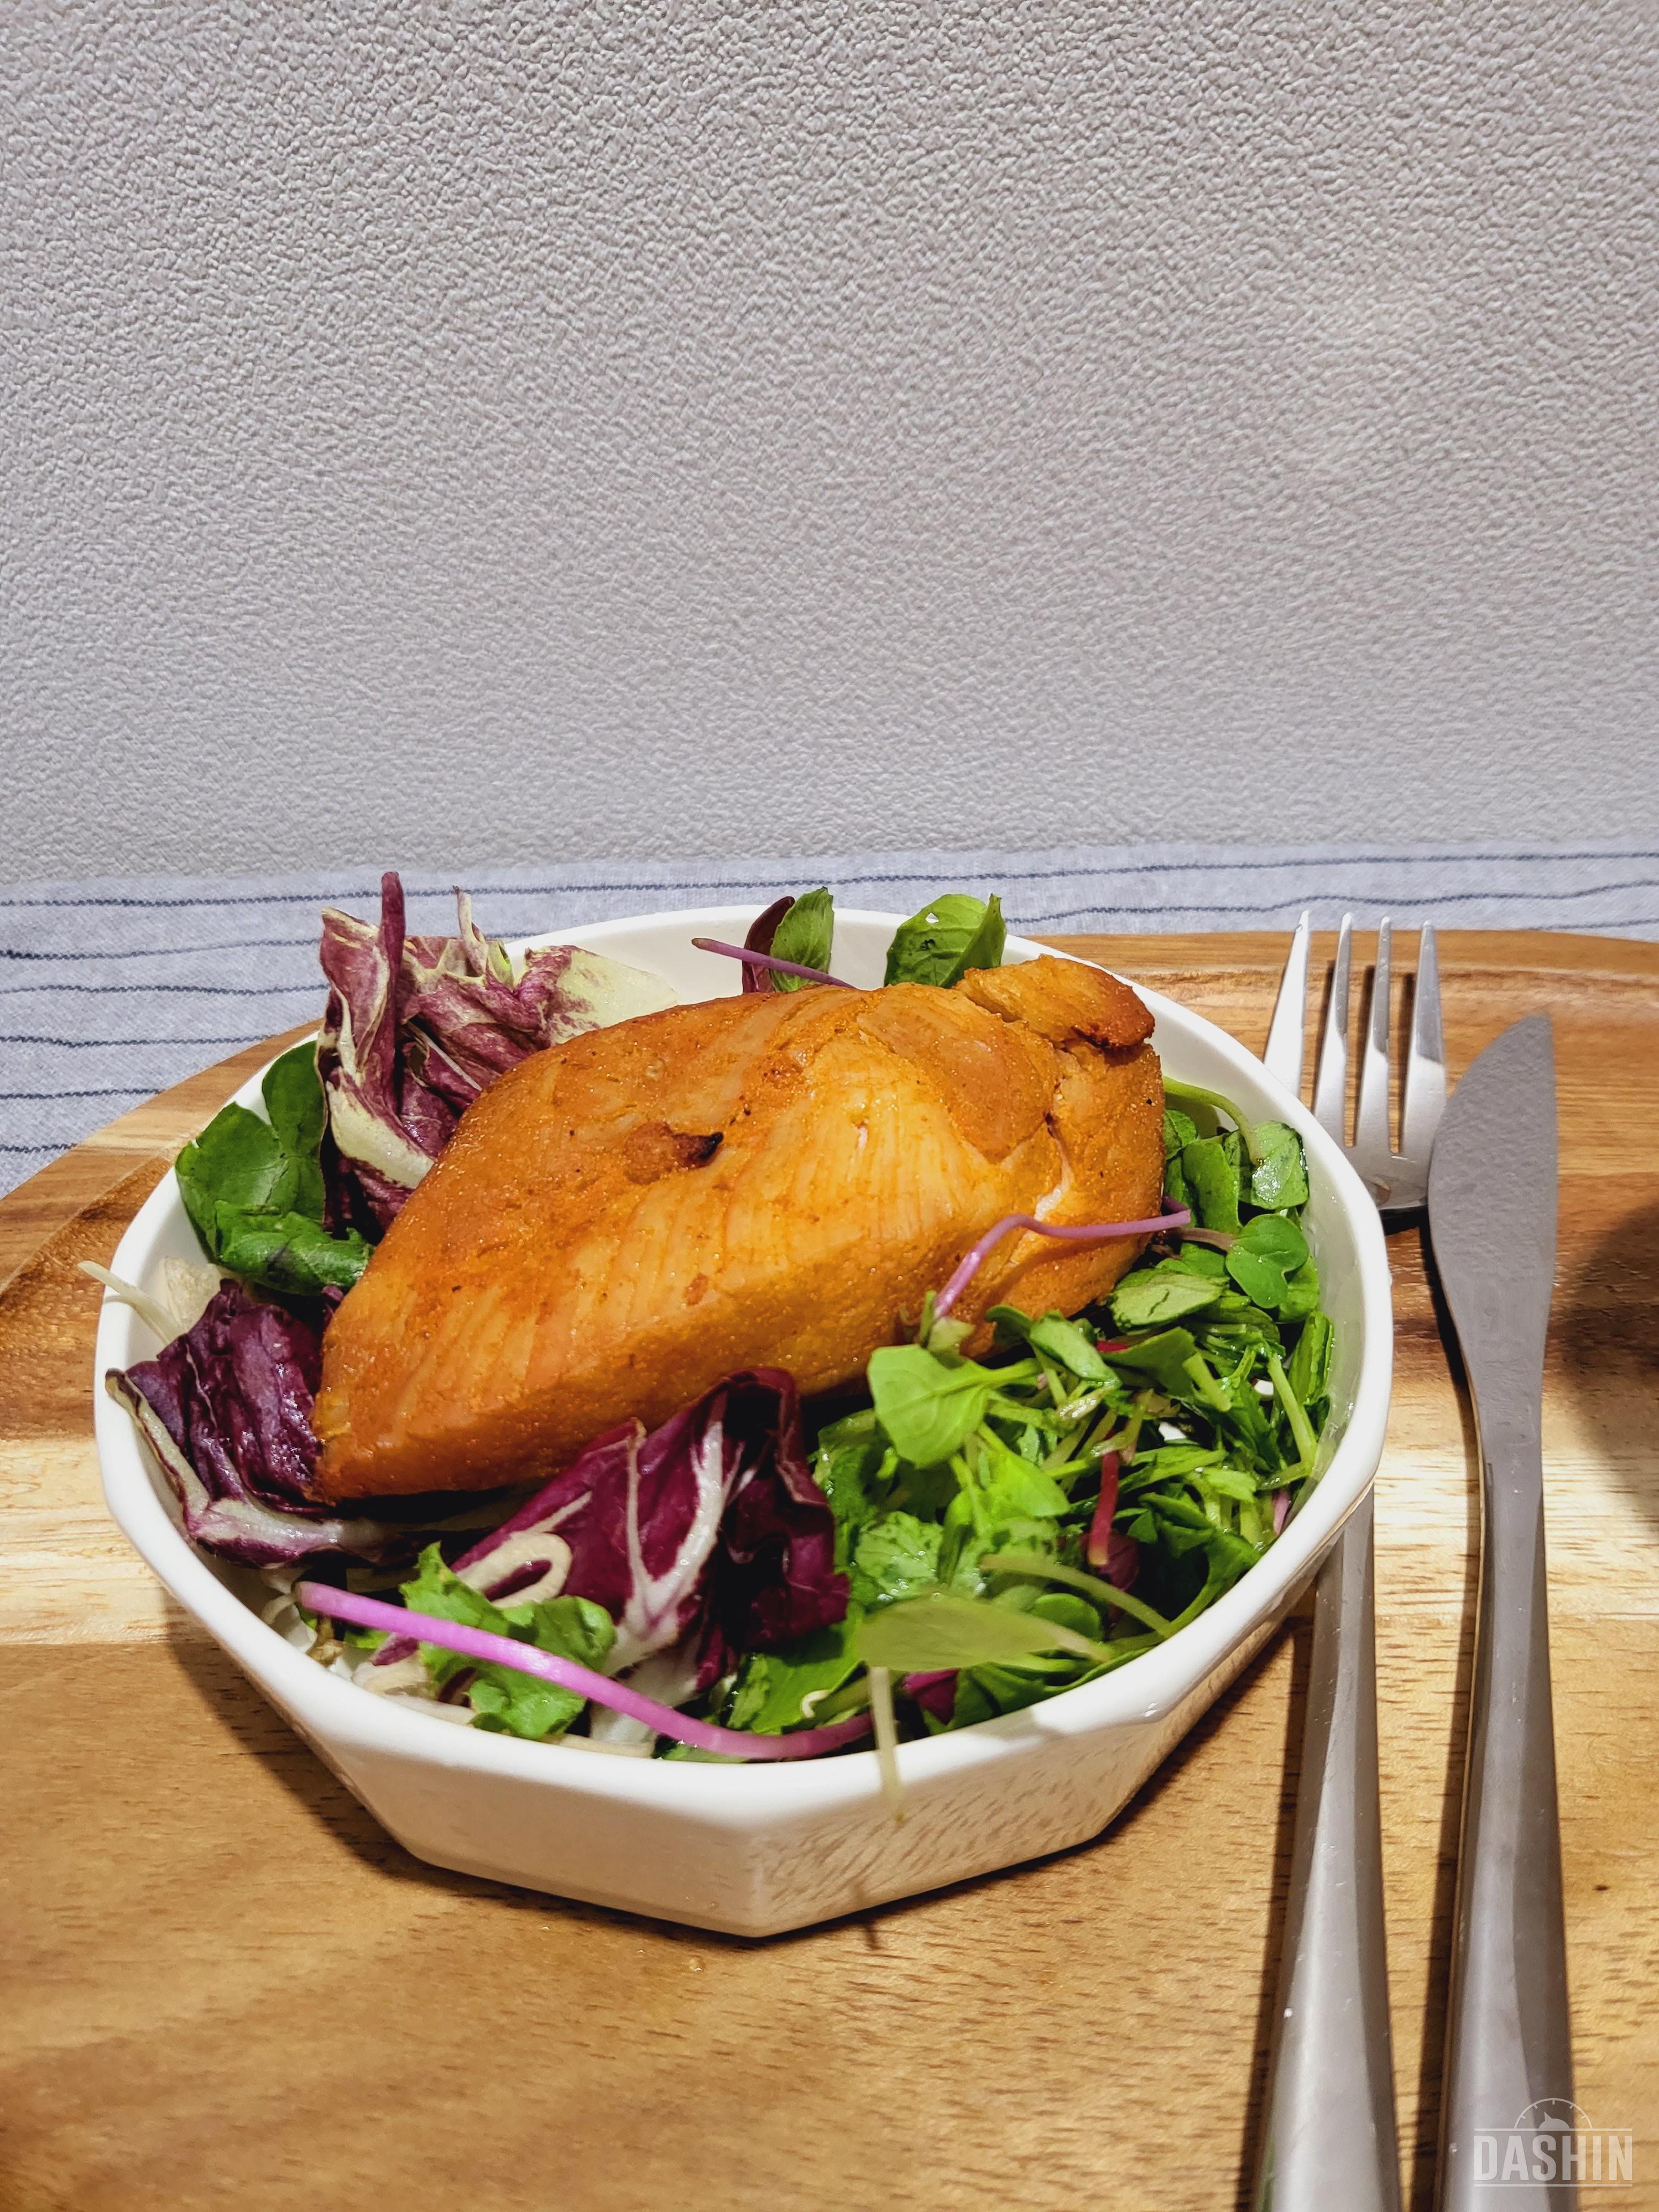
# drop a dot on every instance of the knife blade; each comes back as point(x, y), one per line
point(1492, 1218)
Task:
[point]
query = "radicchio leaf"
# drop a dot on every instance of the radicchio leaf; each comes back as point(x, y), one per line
point(702, 1539)
point(417, 1026)
point(227, 1409)
point(762, 931)
point(935, 1693)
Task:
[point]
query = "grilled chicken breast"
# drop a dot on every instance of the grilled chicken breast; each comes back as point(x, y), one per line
point(772, 1180)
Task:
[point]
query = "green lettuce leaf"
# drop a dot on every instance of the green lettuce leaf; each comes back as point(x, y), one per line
point(934, 1633)
point(1162, 1359)
point(1230, 1482)
point(1211, 1166)
point(1012, 1489)
point(849, 1467)
point(253, 1189)
point(948, 937)
point(287, 1252)
point(293, 1093)
point(806, 934)
point(1065, 1342)
point(895, 1556)
point(1152, 1298)
point(1226, 1558)
point(1309, 1372)
point(1279, 1181)
point(928, 1407)
point(506, 1701)
point(771, 1685)
point(1301, 1297)
point(1179, 1130)
point(1270, 1250)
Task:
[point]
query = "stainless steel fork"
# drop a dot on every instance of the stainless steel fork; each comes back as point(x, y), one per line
point(1329, 2137)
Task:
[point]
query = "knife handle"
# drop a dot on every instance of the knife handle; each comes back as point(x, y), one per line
point(1509, 2042)
point(1328, 2136)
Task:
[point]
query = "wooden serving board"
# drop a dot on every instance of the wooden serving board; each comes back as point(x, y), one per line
point(225, 1986)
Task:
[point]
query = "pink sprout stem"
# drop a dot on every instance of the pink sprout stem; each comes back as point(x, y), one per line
point(1091, 1232)
point(506, 1651)
point(770, 960)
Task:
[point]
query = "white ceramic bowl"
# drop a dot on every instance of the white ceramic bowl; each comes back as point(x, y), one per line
point(753, 1849)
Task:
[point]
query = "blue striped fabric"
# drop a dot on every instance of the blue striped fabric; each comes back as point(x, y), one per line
point(112, 990)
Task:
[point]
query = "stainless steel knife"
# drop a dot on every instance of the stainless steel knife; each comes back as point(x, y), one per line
point(1491, 1217)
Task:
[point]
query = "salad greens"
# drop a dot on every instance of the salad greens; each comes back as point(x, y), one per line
point(504, 1701)
point(1022, 1523)
point(806, 934)
point(928, 1408)
point(972, 1536)
point(948, 937)
point(937, 946)
point(253, 1189)
point(772, 1693)
point(940, 1633)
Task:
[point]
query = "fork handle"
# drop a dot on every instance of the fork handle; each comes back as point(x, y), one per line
point(1328, 2137)
point(1509, 2035)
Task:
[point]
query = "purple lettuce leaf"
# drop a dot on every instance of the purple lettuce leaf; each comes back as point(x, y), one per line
point(227, 1409)
point(239, 1387)
point(762, 931)
point(702, 1539)
point(416, 1027)
point(935, 1693)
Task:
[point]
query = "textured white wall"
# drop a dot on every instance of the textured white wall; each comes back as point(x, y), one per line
point(498, 431)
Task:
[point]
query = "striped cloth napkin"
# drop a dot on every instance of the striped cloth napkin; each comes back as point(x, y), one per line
point(112, 990)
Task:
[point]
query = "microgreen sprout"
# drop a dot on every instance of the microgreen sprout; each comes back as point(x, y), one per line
point(771, 963)
point(1192, 1094)
point(1092, 1232)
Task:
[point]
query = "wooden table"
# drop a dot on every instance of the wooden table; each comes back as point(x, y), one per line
point(226, 1987)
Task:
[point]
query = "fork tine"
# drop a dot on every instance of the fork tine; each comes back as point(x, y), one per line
point(1284, 1053)
point(1371, 1143)
point(1331, 1084)
point(1425, 1060)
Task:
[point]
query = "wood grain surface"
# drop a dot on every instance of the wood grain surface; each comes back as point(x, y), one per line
point(224, 1986)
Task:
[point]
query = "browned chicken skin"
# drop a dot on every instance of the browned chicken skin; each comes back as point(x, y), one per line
point(771, 1179)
